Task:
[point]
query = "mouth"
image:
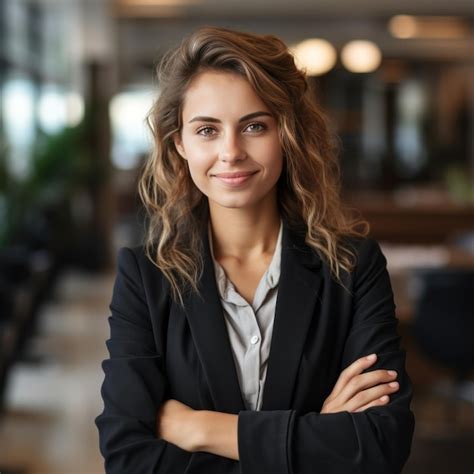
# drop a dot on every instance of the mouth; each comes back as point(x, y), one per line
point(235, 179)
point(237, 174)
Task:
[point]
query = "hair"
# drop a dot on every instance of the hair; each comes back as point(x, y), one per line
point(309, 185)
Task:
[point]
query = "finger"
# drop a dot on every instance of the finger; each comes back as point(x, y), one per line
point(374, 403)
point(350, 371)
point(371, 394)
point(361, 382)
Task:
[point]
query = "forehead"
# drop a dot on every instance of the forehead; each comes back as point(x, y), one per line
point(223, 91)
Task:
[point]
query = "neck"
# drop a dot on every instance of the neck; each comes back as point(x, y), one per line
point(244, 234)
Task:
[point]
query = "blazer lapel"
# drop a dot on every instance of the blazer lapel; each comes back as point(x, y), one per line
point(206, 320)
point(298, 291)
point(297, 294)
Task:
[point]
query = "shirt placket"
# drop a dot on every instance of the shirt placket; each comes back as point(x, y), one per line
point(253, 344)
point(252, 358)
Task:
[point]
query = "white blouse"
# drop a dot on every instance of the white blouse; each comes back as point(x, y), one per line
point(250, 327)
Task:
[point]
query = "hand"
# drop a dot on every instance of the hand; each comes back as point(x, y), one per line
point(177, 423)
point(355, 392)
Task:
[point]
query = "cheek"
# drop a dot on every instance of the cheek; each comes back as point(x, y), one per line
point(199, 158)
point(274, 162)
point(276, 172)
point(199, 167)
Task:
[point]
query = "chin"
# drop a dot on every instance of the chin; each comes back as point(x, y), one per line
point(233, 203)
point(228, 205)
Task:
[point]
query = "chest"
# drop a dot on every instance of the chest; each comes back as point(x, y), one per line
point(245, 277)
point(310, 330)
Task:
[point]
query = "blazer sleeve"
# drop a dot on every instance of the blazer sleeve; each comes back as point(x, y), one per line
point(134, 384)
point(369, 442)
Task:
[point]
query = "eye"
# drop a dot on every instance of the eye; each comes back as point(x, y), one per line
point(207, 131)
point(257, 127)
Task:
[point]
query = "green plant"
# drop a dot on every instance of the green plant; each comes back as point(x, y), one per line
point(61, 165)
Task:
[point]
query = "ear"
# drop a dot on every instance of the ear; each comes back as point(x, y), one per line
point(178, 143)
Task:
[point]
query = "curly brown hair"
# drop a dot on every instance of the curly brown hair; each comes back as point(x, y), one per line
point(309, 185)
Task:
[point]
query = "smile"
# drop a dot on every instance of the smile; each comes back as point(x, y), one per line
point(236, 179)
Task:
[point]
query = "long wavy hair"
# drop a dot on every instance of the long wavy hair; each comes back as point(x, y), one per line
point(308, 188)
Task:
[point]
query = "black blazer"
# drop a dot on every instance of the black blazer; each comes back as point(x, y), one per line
point(159, 351)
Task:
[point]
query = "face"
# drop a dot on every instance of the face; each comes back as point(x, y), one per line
point(230, 141)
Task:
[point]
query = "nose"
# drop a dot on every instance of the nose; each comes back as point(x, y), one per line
point(231, 149)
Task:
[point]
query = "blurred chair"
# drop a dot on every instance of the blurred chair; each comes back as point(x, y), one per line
point(25, 277)
point(463, 241)
point(444, 324)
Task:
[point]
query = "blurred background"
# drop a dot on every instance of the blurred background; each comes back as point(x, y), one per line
point(76, 80)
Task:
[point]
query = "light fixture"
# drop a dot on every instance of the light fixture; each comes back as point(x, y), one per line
point(361, 56)
point(402, 26)
point(152, 3)
point(432, 27)
point(315, 56)
point(152, 8)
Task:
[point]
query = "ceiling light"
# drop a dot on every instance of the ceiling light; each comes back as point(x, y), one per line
point(315, 56)
point(402, 26)
point(433, 27)
point(152, 8)
point(361, 56)
point(151, 3)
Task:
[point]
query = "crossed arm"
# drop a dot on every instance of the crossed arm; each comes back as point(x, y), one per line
point(198, 430)
point(217, 433)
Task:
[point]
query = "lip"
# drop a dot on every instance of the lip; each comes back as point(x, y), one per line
point(235, 179)
point(236, 174)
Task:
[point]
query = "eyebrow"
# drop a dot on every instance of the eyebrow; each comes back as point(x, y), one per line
point(241, 119)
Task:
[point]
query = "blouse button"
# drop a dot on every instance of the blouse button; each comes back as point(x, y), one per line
point(254, 339)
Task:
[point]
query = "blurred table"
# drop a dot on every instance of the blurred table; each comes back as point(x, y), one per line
point(413, 216)
point(402, 260)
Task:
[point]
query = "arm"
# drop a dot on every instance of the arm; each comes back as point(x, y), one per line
point(216, 432)
point(372, 441)
point(219, 434)
point(134, 384)
point(198, 430)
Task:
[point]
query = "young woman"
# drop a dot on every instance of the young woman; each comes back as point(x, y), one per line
point(255, 330)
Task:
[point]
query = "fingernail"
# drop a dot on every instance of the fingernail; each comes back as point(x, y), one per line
point(393, 384)
point(384, 398)
point(371, 357)
point(391, 372)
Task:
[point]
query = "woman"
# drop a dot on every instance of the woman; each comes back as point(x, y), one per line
point(240, 331)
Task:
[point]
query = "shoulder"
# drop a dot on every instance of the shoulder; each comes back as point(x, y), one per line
point(364, 247)
point(135, 261)
point(135, 254)
point(367, 252)
point(130, 258)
